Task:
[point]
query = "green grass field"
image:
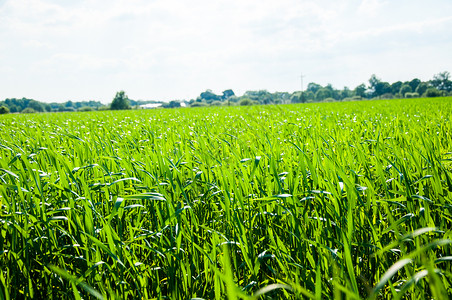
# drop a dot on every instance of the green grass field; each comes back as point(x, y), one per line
point(336, 200)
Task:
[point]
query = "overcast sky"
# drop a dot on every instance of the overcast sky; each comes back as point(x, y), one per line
point(59, 50)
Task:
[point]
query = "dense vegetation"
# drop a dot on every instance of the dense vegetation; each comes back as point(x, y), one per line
point(439, 86)
point(318, 200)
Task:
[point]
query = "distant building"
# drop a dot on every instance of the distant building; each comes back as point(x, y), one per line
point(151, 105)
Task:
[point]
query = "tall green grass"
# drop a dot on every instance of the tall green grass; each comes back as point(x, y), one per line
point(341, 200)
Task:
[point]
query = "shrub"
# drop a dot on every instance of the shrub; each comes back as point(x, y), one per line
point(66, 109)
point(245, 102)
point(28, 110)
point(4, 110)
point(411, 95)
point(387, 96)
point(198, 104)
point(85, 108)
point(432, 92)
point(216, 103)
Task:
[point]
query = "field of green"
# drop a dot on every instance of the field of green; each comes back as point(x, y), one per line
point(335, 200)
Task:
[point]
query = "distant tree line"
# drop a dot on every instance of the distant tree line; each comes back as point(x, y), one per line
point(24, 105)
point(440, 85)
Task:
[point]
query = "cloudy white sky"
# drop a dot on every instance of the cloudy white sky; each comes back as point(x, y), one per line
point(58, 50)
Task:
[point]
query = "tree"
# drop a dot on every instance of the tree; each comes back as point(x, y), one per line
point(245, 102)
point(422, 88)
point(309, 96)
point(433, 92)
point(323, 93)
point(360, 90)
point(13, 109)
point(414, 83)
point(405, 88)
point(345, 93)
point(379, 87)
point(121, 101)
point(374, 81)
point(441, 81)
point(313, 87)
point(261, 96)
point(35, 105)
point(228, 93)
point(303, 98)
point(4, 110)
point(172, 104)
point(296, 98)
point(209, 96)
point(395, 87)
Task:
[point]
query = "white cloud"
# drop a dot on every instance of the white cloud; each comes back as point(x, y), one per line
point(371, 7)
point(176, 49)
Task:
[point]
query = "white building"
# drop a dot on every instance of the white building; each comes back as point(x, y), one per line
point(151, 105)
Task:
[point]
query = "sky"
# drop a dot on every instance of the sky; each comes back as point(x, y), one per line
point(59, 50)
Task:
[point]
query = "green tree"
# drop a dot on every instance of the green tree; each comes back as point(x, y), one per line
point(209, 96)
point(422, 88)
point(414, 83)
point(295, 98)
point(346, 93)
point(4, 110)
point(395, 87)
point(228, 93)
point(379, 87)
point(323, 93)
point(442, 82)
point(303, 98)
point(405, 88)
point(121, 101)
point(35, 105)
point(433, 92)
point(309, 96)
point(335, 94)
point(172, 104)
point(360, 90)
point(313, 87)
point(246, 102)
point(374, 82)
point(13, 109)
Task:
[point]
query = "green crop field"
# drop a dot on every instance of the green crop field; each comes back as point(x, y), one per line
point(336, 200)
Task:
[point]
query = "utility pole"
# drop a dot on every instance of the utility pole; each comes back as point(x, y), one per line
point(301, 77)
point(301, 93)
